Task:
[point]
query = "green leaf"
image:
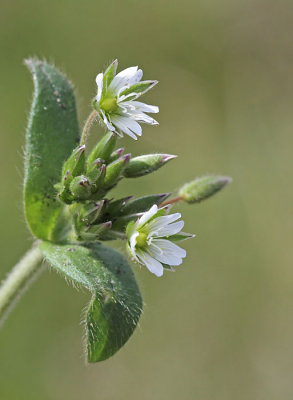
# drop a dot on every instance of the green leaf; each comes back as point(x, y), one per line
point(51, 135)
point(116, 302)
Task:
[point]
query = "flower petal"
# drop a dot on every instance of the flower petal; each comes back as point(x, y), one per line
point(131, 124)
point(169, 230)
point(152, 264)
point(160, 222)
point(99, 82)
point(127, 77)
point(147, 215)
point(107, 122)
point(145, 118)
point(143, 107)
point(169, 248)
point(122, 124)
point(132, 243)
point(164, 257)
point(137, 107)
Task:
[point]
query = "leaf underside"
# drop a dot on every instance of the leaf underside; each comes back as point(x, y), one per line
point(51, 135)
point(116, 303)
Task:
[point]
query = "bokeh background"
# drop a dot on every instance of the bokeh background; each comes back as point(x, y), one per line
point(221, 327)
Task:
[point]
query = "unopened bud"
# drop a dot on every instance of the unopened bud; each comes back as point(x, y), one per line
point(116, 154)
point(103, 149)
point(143, 165)
point(96, 176)
point(203, 187)
point(80, 188)
point(115, 170)
point(74, 165)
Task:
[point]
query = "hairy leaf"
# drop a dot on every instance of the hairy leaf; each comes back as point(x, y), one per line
point(116, 302)
point(51, 135)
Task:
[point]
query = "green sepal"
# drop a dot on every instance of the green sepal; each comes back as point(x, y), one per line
point(103, 149)
point(144, 203)
point(129, 230)
point(115, 170)
point(121, 223)
point(51, 135)
point(115, 208)
point(65, 195)
point(109, 75)
point(86, 214)
point(116, 303)
point(179, 237)
point(146, 164)
point(138, 89)
point(203, 188)
point(94, 232)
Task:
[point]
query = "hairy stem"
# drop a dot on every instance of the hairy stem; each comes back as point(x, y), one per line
point(87, 126)
point(171, 201)
point(19, 279)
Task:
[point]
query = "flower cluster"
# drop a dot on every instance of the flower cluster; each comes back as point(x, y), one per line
point(88, 176)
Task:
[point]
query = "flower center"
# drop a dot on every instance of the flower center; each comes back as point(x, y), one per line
point(142, 240)
point(109, 104)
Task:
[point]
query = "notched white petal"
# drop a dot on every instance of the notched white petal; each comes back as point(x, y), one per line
point(151, 263)
point(122, 124)
point(170, 248)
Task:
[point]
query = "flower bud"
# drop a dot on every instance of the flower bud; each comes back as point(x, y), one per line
point(96, 177)
point(115, 170)
point(143, 165)
point(80, 188)
point(116, 154)
point(103, 149)
point(202, 188)
point(74, 165)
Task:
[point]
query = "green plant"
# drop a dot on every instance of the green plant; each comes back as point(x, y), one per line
point(68, 209)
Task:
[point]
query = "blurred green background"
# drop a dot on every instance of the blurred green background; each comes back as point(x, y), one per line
point(221, 327)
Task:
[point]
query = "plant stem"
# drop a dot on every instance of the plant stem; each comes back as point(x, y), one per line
point(171, 201)
point(19, 279)
point(87, 126)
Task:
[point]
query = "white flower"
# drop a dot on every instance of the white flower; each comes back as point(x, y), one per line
point(116, 100)
point(151, 237)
